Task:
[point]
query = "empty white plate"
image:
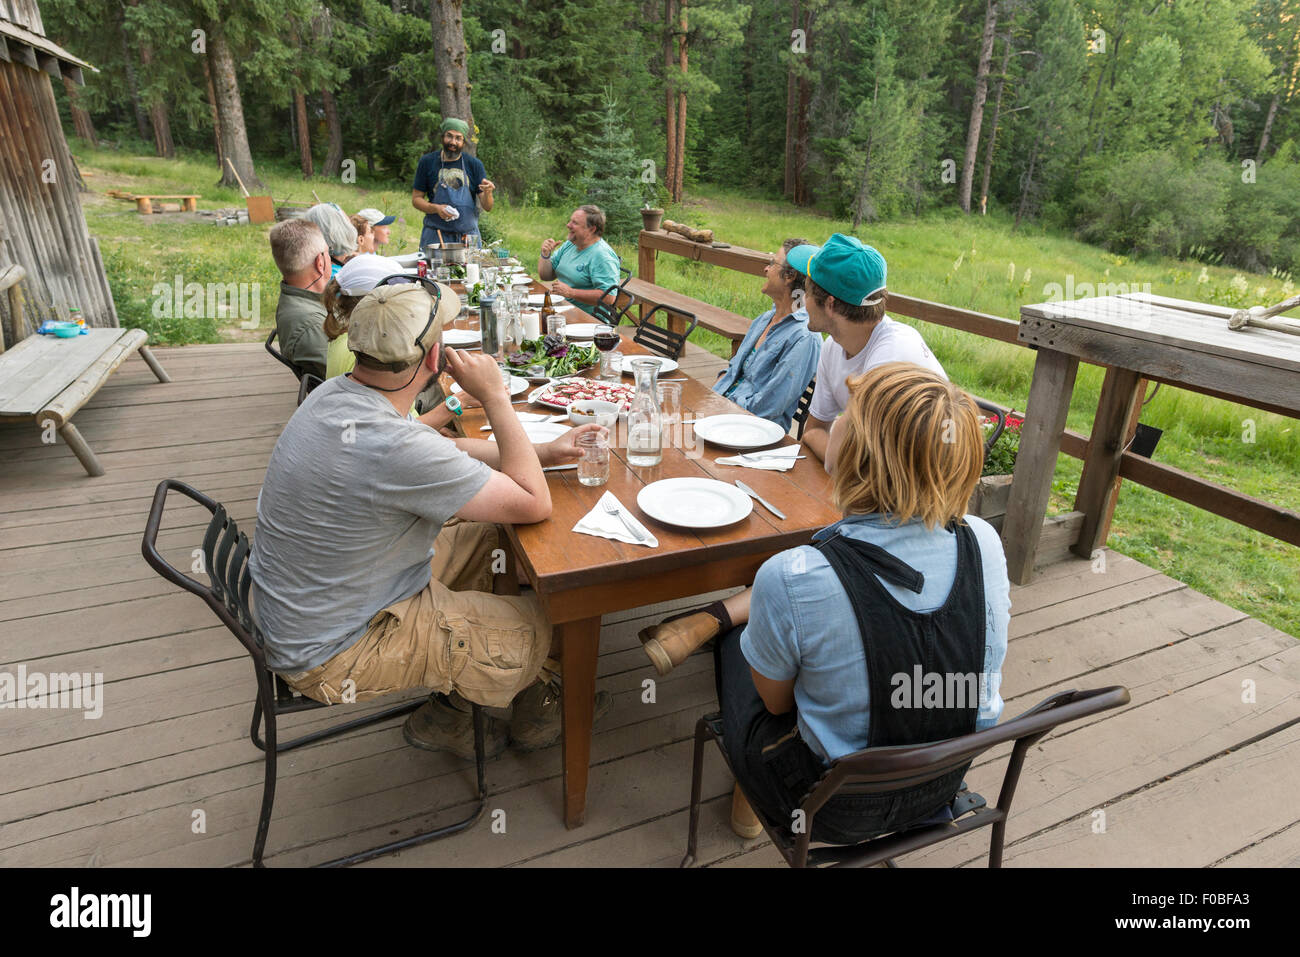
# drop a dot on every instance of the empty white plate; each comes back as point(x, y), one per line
point(694, 502)
point(460, 337)
point(624, 363)
point(738, 431)
point(520, 279)
point(580, 330)
point(539, 299)
point(517, 385)
point(542, 432)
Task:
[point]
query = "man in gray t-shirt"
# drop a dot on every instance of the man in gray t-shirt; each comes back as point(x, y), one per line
point(374, 558)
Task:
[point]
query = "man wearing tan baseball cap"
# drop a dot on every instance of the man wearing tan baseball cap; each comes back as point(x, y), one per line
point(375, 565)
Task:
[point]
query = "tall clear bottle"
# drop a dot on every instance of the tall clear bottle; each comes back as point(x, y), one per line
point(644, 422)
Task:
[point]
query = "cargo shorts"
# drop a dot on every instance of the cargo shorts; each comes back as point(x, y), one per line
point(453, 635)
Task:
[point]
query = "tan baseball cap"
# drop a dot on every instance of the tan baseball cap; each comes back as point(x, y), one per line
point(387, 322)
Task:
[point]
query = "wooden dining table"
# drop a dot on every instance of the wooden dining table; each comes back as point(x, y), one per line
point(579, 577)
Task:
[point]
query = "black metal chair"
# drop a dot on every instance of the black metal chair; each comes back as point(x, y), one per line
point(279, 356)
point(612, 311)
point(883, 770)
point(225, 560)
point(661, 339)
point(804, 407)
point(307, 384)
point(992, 408)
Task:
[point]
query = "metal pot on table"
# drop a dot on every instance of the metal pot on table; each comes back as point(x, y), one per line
point(446, 254)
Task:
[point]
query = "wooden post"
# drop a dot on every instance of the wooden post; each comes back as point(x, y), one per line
point(645, 267)
point(580, 642)
point(1040, 441)
point(153, 364)
point(1106, 509)
point(1119, 395)
point(80, 449)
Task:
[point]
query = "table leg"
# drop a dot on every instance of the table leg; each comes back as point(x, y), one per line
point(153, 364)
point(1119, 397)
point(581, 641)
point(72, 438)
point(1040, 441)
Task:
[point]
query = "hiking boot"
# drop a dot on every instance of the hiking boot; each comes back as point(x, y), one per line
point(671, 642)
point(744, 822)
point(537, 722)
point(446, 724)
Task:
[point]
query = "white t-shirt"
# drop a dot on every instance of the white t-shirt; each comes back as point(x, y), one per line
point(890, 342)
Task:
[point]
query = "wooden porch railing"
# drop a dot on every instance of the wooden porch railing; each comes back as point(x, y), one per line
point(1253, 513)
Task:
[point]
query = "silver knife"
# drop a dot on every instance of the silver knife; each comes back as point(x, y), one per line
point(759, 499)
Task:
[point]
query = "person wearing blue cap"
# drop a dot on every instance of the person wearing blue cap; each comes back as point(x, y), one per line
point(447, 185)
point(845, 298)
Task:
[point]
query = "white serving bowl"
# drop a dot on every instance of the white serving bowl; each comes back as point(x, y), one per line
point(593, 410)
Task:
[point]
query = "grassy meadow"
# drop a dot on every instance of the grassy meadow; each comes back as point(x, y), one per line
point(970, 262)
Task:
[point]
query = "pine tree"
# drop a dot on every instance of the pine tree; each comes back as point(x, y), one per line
point(610, 172)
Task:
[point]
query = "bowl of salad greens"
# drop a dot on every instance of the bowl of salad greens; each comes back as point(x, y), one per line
point(551, 356)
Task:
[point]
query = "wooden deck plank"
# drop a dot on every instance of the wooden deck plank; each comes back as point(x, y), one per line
point(178, 691)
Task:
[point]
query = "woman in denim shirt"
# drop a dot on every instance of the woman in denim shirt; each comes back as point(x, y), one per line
point(809, 660)
point(778, 355)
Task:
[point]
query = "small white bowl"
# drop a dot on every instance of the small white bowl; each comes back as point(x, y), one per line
point(593, 410)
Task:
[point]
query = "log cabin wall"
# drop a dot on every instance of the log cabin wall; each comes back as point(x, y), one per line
point(41, 223)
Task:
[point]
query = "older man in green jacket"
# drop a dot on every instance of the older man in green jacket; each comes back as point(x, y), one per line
point(303, 259)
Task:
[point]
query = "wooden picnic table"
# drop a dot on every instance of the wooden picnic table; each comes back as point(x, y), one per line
point(581, 577)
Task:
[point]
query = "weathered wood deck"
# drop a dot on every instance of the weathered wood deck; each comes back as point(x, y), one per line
point(1188, 774)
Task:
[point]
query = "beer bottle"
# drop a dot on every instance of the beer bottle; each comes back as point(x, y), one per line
point(547, 308)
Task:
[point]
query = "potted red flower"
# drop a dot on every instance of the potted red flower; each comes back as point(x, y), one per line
point(990, 498)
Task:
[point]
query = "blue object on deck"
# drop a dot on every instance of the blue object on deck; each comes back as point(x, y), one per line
point(64, 330)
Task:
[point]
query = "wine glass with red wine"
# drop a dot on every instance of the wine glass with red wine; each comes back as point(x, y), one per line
point(606, 339)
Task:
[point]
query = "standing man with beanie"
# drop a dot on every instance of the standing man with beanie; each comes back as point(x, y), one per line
point(450, 187)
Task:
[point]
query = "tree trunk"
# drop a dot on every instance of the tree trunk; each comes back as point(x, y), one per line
point(158, 119)
point(334, 155)
point(1026, 187)
point(670, 107)
point(803, 102)
point(791, 113)
point(304, 134)
point(449, 58)
point(216, 114)
point(679, 177)
point(81, 121)
point(864, 192)
point(997, 116)
point(977, 105)
point(234, 134)
point(141, 123)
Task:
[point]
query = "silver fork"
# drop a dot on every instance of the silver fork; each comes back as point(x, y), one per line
point(613, 509)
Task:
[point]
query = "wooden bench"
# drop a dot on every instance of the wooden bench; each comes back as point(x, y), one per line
point(723, 321)
point(48, 379)
point(144, 202)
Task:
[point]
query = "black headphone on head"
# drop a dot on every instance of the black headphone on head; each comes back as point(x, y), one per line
point(401, 278)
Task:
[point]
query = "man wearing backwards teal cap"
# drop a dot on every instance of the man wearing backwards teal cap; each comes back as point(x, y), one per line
point(447, 182)
point(845, 297)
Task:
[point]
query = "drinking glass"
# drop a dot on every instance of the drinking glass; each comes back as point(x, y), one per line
point(606, 339)
point(489, 277)
point(442, 274)
point(555, 325)
point(593, 458)
point(670, 411)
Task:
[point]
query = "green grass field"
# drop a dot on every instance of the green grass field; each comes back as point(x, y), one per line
point(970, 262)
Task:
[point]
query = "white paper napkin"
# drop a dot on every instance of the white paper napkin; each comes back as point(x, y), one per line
point(769, 460)
point(600, 523)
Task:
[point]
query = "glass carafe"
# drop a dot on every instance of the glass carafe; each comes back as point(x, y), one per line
point(644, 439)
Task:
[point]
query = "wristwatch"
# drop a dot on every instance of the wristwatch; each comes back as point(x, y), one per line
point(453, 404)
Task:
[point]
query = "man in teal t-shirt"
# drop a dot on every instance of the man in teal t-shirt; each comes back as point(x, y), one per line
point(584, 265)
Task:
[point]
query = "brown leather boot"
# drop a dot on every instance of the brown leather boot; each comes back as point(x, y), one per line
point(744, 822)
point(670, 643)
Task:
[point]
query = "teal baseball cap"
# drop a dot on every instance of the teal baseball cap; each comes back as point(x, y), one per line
point(844, 266)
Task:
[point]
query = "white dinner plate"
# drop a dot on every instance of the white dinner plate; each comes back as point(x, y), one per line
point(624, 363)
point(520, 279)
point(517, 385)
point(694, 502)
point(580, 330)
point(541, 432)
point(738, 431)
point(539, 299)
point(460, 337)
point(407, 260)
